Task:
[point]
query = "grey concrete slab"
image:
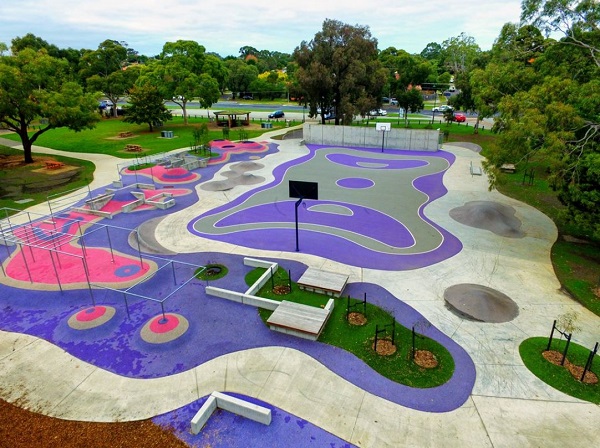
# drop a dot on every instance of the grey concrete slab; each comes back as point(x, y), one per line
point(529, 423)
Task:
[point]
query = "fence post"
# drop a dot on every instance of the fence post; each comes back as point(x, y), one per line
point(562, 363)
point(551, 334)
point(588, 364)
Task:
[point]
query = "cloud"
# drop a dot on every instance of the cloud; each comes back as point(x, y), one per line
point(225, 26)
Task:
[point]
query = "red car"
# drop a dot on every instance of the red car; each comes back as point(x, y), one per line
point(458, 117)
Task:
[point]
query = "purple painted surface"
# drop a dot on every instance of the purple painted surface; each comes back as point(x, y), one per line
point(364, 221)
point(371, 163)
point(319, 242)
point(227, 430)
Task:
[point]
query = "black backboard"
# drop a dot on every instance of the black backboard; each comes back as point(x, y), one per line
point(305, 190)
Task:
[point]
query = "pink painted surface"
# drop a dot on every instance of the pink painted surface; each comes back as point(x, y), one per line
point(41, 265)
point(157, 326)
point(90, 313)
point(235, 148)
point(166, 175)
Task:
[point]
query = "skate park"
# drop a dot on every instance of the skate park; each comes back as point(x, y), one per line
point(407, 226)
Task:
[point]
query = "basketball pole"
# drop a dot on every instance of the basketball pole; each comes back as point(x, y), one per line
point(298, 202)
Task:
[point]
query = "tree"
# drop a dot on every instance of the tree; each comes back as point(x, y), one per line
point(146, 106)
point(552, 117)
point(410, 100)
point(103, 71)
point(35, 86)
point(577, 20)
point(339, 70)
point(178, 73)
point(241, 75)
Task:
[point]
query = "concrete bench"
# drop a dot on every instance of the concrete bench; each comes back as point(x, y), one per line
point(232, 404)
point(476, 170)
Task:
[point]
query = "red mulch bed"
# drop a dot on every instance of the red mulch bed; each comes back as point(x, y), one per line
point(425, 359)
point(576, 371)
point(358, 319)
point(20, 428)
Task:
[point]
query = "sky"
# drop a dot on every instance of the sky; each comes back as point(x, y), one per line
point(224, 26)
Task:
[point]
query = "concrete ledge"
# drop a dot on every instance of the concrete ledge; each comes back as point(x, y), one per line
point(203, 414)
point(240, 297)
point(268, 265)
point(235, 405)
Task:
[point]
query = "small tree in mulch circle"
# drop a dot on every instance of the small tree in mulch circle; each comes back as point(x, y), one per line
point(211, 271)
point(565, 325)
point(284, 285)
point(422, 358)
point(356, 317)
point(386, 345)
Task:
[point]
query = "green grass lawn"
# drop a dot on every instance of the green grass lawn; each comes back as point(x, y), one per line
point(32, 181)
point(103, 139)
point(558, 376)
point(358, 340)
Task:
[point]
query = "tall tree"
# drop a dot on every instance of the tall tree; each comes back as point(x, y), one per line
point(103, 71)
point(35, 86)
point(146, 106)
point(177, 74)
point(241, 75)
point(339, 69)
point(555, 120)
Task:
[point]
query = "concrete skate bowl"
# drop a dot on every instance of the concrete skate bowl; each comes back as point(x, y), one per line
point(238, 175)
point(488, 215)
point(480, 303)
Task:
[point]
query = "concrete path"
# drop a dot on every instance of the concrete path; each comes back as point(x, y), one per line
point(508, 407)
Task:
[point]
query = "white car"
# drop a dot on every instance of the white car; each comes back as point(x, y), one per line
point(442, 108)
point(377, 112)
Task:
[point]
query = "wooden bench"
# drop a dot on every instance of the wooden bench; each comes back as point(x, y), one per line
point(125, 134)
point(54, 165)
point(133, 148)
point(323, 282)
point(299, 320)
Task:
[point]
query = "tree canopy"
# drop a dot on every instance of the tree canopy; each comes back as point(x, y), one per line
point(34, 87)
point(547, 94)
point(339, 70)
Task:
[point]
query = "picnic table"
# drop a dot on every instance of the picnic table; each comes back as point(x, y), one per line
point(53, 165)
point(133, 148)
point(125, 134)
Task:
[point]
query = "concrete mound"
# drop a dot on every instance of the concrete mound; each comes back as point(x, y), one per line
point(480, 303)
point(237, 175)
point(492, 216)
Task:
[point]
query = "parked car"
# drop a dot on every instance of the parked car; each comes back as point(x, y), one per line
point(459, 117)
point(247, 97)
point(277, 114)
point(377, 112)
point(393, 102)
point(442, 108)
point(329, 116)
